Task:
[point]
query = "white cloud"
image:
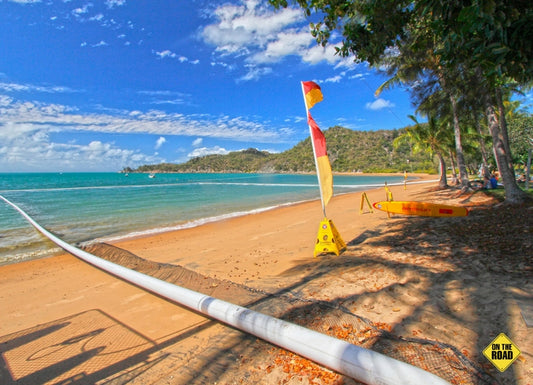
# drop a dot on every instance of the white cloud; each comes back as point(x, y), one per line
point(334, 79)
point(82, 10)
point(166, 53)
point(240, 26)
point(114, 3)
point(168, 101)
point(31, 132)
point(160, 142)
point(98, 17)
point(26, 148)
point(100, 44)
point(203, 151)
point(23, 121)
point(255, 73)
point(316, 54)
point(348, 63)
point(16, 87)
point(165, 97)
point(169, 54)
point(379, 104)
point(358, 76)
point(286, 43)
point(261, 35)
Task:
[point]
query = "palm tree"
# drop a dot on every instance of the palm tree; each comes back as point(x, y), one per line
point(427, 137)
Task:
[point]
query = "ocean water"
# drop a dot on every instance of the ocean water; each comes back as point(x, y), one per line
point(86, 207)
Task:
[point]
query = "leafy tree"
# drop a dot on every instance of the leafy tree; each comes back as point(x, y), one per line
point(428, 137)
point(489, 35)
point(521, 136)
point(487, 38)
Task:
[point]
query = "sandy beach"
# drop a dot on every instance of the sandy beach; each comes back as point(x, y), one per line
point(433, 292)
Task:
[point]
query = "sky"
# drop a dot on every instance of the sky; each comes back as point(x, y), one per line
point(102, 85)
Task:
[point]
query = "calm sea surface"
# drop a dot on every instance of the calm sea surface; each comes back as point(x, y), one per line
point(105, 206)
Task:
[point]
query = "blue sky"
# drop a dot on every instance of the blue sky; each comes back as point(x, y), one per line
point(100, 85)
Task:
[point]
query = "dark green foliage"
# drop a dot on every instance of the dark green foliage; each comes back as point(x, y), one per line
point(520, 128)
point(349, 151)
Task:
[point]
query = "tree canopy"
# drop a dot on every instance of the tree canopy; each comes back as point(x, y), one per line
point(456, 48)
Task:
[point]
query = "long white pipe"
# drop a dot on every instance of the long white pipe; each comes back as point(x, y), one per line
point(354, 361)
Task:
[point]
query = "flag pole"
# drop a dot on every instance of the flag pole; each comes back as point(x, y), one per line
point(314, 152)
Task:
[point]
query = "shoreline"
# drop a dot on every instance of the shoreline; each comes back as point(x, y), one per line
point(275, 234)
point(193, 223)
point(237, 214)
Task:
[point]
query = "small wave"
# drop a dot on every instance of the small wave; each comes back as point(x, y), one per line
point(51, 189)
point(258, 184)
point(29, 255)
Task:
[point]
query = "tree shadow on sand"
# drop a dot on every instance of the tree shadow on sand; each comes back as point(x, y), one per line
point(454, 281)
point(444, 285)
point(433, 292)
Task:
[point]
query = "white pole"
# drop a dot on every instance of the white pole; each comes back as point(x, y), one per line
point(354, 361)
point(314, 152)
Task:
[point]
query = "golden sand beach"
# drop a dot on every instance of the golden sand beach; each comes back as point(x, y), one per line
point(428, 291)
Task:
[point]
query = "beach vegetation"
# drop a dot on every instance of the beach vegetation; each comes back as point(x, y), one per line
point(432, 137)
point(520, 137)
point(348, 151)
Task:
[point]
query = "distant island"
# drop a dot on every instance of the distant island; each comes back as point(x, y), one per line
point(348, 150)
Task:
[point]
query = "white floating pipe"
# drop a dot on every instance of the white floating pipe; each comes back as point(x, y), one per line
point(354, 361)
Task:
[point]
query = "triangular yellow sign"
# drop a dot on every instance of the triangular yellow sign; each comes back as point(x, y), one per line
point(364, 198)
point(328, 239)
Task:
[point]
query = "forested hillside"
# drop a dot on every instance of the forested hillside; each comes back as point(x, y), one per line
point(363, 151)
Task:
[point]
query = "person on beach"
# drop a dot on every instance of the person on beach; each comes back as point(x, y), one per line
point(493, 181)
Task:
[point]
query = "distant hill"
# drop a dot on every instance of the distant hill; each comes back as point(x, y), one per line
point(348, 150)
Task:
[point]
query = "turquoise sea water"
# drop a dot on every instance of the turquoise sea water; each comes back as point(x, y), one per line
point(84, 207)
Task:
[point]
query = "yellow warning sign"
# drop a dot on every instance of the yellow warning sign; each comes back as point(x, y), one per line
point(502, 352)
point(328, 239)
point(364, 199)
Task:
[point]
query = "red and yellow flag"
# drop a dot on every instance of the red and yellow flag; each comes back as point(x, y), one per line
point(312, 94)
point(325, 177)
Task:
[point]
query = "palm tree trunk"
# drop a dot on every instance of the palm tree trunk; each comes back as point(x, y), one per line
point(503, 126)
point(454, 173)
point(513, 194)
point(483, 147)
point(463, 173)
point(443, 182)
